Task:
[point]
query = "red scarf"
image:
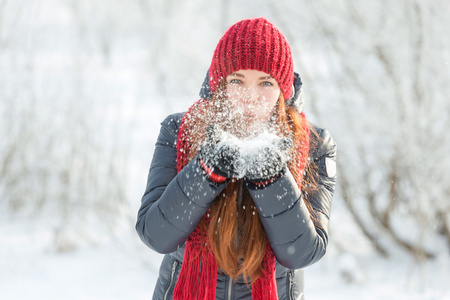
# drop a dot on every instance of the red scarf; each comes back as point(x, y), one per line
point(198, 276)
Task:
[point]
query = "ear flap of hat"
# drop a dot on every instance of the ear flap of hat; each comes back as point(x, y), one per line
point(205, 92)
point(297, 99)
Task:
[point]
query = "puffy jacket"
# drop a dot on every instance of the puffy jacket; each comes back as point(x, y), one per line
point(173, 204)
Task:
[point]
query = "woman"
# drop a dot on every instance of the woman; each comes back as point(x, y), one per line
point(240, 186)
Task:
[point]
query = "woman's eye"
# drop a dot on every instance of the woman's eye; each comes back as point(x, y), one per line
point(235, 81)
point(266, 83)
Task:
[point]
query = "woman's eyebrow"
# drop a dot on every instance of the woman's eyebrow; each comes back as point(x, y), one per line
point(237, 74)
point(266, 77)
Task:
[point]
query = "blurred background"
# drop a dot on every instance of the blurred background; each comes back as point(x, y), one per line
point(84, 86)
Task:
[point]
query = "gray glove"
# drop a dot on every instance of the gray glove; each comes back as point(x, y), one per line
point(219, 157)
point(269, 161)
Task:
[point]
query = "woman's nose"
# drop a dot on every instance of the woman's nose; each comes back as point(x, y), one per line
point(250, 95)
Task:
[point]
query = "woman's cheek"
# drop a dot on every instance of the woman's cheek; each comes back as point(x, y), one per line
point(267, 114)
point(268, 103)
point(235, 104)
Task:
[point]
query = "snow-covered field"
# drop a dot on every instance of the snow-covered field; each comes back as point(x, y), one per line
point(104, 74)
point(123, 268)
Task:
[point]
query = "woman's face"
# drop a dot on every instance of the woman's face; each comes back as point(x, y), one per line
point(253, 95)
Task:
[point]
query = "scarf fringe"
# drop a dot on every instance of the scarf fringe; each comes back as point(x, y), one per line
point(198, 274)
point(265, 287)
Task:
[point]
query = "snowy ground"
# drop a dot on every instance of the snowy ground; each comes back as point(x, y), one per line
point(125, 269)
point(58, 50)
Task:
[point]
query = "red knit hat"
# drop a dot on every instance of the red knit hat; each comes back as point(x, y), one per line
point(253, 44)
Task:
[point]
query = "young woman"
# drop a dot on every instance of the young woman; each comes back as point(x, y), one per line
point(240, 185)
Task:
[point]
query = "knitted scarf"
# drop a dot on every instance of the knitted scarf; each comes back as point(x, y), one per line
point(198, 276)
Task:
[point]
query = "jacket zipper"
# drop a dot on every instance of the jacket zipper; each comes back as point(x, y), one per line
point(228, 290)
point(174, 267)
point(291, 286)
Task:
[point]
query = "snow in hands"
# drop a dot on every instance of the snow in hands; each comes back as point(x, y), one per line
point(255, 158)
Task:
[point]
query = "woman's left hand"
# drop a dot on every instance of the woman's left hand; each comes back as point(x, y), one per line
point(269, 161)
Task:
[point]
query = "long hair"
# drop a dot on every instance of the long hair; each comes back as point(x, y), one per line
point(235, 231)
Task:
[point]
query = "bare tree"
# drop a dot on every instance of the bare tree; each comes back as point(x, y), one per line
point(62, 159)
point(387, 74)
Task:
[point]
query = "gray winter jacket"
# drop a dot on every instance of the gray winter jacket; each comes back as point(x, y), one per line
point(173, 204)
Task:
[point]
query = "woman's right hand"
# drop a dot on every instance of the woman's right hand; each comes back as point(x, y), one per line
point(218, 159)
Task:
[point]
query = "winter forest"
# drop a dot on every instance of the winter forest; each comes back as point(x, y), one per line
point(84, 86)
